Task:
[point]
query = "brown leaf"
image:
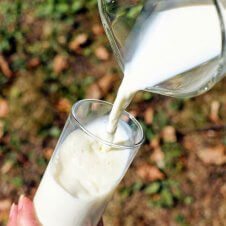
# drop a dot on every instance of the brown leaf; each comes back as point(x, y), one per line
point(102, 53)
point(149, 173)
point(62, 39)
point(148, 116)
point(5, 204)
point(64, 105)
point(97, 29)
point(155, 142)
point(189, 142)
point(60, 63)
point(4, 66)
point(34, 62)
point(79, 40)
point(169, 134)
point(93, 92)
point(106, 83)
point(215, 155)
point(4, 108)
point(7, 166)
point(214, 111)
point(48, 153)
point(1, 129)
point(158, 156)
point(134, 112)
point(223, 190)
point(4, 215)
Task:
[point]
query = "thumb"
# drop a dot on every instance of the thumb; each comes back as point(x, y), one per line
point(13, 215)
point(26, 213)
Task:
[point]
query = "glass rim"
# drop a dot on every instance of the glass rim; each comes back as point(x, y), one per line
point(105, 142)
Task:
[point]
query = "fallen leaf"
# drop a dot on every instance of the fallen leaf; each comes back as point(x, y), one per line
point(214, 111)
point(148, 116)
point(4, 66)
point(155, 142)
point(102, 53)
point(152, 188)
point(79, 40)
point(48, 153)
point(149, 173)
point(4, 108)
point(62, 39)
point(158, 156)
point(97, 29)
point(169, 134)
point(223, 190)
point(4, 215)
point(106, 83)
point(138, 98)
point(7, 166)
point(60, 63)
point(34, 62)
point(5, 204)
point(189, 142)
point(213, 155)
point(134, 112)
point(1, 129)
point(93, 92)
point(64, 105)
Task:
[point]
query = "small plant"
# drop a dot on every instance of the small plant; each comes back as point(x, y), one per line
point(173, 153)
point(65, 8)
point(10, 32)
point(164, 194)
point(148, 131)
point(17, 181)
point(128, 191)
point(160, 120)
point(181, 220)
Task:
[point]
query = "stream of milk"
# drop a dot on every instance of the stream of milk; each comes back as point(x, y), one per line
point(172, 42)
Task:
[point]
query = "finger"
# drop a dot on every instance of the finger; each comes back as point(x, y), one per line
point(26, 213)
point(101, 223)
point(13, 216)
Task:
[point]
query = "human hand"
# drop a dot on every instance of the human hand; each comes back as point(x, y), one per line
point(23, 214)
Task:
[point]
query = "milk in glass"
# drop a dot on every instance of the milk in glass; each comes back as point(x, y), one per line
point(81, 178)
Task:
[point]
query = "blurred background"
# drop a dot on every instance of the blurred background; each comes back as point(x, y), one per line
point(55, 52)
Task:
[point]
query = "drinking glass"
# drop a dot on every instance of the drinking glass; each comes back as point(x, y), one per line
point(56, 203)
point(125, 22)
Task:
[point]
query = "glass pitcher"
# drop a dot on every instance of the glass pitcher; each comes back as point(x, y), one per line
point(194, 53)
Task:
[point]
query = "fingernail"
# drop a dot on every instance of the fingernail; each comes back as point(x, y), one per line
point(20, 203)
point(12, 212)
